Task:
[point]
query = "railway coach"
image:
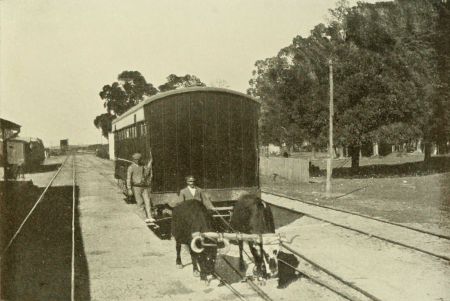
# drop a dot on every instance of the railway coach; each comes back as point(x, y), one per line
point(26, 152)
point(211, 133)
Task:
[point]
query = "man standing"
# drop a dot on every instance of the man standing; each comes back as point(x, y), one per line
point(192, 192)
point(138, 183)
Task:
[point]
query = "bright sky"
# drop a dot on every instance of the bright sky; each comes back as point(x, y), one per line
point(56, 55)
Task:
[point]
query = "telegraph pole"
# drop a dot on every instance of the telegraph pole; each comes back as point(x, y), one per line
point(330, 142)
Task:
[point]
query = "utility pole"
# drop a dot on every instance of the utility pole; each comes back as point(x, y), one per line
point(330, 142)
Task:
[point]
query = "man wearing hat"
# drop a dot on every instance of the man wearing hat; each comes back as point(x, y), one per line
point(138, 183)
point(192, 192)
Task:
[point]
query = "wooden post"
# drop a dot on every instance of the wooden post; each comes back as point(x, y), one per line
point(5, 155)
point(330, 142)
point(375, 149)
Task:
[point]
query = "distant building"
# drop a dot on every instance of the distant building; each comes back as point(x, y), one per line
point(64, 145)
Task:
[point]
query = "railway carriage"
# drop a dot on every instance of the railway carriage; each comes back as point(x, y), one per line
point(211, 133)
point(28, 152)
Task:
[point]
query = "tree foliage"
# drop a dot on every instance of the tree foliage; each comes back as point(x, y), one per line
point(121, 95)
point(103, 122)
point(387, 85)
point(176, 82)
point(131, 88)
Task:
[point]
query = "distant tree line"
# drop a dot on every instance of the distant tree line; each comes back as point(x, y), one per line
point(131, 88)
point(391, 64)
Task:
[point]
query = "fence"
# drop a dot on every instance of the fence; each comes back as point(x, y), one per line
point(292, 169)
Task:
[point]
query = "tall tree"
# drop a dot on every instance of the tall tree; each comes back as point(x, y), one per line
point(130, 88)
point(121, 95)
point(385, 76)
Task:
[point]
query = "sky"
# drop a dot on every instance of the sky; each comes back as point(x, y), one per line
point(56, 55)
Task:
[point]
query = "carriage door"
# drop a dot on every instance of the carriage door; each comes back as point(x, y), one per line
point(16, 152)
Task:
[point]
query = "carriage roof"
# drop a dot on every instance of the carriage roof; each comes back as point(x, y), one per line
point(26, 139)
point(180, 91)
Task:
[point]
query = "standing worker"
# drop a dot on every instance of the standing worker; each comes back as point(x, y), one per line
point(191, 191)
point(139, 183)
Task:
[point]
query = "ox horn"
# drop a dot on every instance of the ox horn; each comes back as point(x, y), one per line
point(194, 243)
point(226, 247)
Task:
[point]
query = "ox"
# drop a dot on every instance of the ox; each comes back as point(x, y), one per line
point(252, 215)
point(190, 217)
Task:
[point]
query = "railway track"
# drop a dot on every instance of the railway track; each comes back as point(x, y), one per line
point(358, 295)
point(351, 291)
point(360, 215)
point(25, 226)
point(346, 289)
point(438, 238)
point(22, 224)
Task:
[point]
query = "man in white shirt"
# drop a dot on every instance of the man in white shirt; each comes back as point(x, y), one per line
point(138, 183)
point(192, 192)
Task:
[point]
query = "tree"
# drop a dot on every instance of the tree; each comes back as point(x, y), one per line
point(291, 88)
point(103, 122)
point(127, 92)
point(118, 97)
point(175, 82)
point(385, 77)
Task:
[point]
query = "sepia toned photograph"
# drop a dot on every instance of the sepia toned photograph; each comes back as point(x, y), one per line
point(273, 150)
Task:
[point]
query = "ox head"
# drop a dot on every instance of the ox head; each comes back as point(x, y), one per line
point(206, 252)
point(269, 258)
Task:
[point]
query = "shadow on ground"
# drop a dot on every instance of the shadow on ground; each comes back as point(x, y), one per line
point(435, 165)
point(43, 168)
point(283, 217)
point(37, 266)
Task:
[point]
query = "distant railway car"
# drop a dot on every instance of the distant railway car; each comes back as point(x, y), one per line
point(210, 133)
point(25, 152)
point(64, 145)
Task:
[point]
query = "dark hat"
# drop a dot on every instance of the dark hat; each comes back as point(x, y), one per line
point(190, 177)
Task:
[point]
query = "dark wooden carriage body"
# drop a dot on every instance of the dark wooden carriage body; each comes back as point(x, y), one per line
point(29, 152)
point(210, 133)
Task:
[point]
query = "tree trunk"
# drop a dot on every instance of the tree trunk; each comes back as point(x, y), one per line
point(355, 153)
point(427, 151)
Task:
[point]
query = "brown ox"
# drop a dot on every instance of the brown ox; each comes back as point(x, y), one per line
point(252, 215)
point(191, 217)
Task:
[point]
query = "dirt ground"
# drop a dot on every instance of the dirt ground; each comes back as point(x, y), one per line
point(119, 258)
point(397, 188)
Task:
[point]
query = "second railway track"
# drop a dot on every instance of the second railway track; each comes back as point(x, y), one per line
point(421, 241)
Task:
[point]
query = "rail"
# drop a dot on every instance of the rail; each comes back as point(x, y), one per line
point(32, 210)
